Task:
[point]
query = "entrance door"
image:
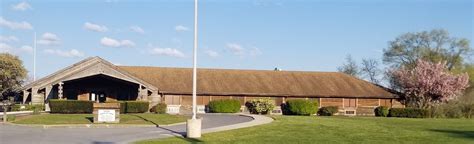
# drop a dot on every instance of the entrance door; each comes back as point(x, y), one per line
point(102, 97)
point(98, 97)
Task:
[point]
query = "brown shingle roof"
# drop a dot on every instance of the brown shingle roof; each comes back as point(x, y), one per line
point(258, 82)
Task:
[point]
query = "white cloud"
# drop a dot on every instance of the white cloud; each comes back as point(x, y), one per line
point(10, 49)
point(212, 53)
point(8, 39)
point(15, 25)
point(235, 48)
point(167, 52)
point(71, 53)
point(95, 27)
point(110, 42)
point(181, 28)
point(137, 29)
point(21, 6)
point(127, 43)
point(49, 39)
point(239, 50)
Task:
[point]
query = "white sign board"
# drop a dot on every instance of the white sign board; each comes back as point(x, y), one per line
point(106, 115)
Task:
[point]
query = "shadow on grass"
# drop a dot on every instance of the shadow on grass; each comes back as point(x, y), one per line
point(456, 133)
point(140, 117)
point(191, 140)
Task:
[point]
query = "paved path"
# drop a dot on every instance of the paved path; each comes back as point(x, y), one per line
point(10, 134)
point(17, 113)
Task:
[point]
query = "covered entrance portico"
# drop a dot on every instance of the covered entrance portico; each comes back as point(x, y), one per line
point(92, 79)
point(101, 88)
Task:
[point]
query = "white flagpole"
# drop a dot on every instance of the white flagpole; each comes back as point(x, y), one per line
point(193, 125)
point(195, 57)
point(34, 58)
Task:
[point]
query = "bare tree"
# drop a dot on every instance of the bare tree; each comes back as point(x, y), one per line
point(370, 70)
point(349, 67)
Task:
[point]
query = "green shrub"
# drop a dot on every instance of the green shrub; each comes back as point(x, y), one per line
point(17, 107)
point(260, 106)
point(381, 111)
point(408, 112)
point(70, 106)
point(27, 107)
point(467, 110)
point(224, 106)
point(36, 108)
point(160, 108)
point(300, 107)
point(11, 118)
point(452, 109)
point(136, 106)
point(328, 111)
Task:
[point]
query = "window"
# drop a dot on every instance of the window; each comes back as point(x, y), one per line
point(350, 112)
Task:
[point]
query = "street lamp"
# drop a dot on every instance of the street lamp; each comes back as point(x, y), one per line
point(193, 125)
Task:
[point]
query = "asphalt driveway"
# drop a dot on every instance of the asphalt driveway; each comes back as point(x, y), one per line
point(10, 134)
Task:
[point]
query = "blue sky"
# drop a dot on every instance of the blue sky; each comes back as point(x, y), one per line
point(246, 34)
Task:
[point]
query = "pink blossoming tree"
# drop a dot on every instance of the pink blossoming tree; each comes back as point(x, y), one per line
point(429, 83)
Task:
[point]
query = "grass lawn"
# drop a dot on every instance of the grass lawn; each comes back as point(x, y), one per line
point(146, 118)
point(302, 129)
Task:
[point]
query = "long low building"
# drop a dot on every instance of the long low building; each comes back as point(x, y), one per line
point(98, 80)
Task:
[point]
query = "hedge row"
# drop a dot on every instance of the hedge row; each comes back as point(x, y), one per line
point(224, 106)
point(133, 106)
point(79, 106)
point(408, 112)
point(299, 107)
point(70, 106)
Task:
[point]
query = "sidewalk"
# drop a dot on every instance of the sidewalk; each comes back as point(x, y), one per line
point(16, 112)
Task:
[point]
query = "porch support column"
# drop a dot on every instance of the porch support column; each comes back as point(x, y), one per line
point(35, 97)
point(25, 96)
point(48, 91)
point(47, 96)
point(154, 98)
point(142, 93)
point(60, 90)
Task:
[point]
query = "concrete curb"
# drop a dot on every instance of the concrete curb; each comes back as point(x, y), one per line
point(174, 124)
point(95, 125)
point(86, 125)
